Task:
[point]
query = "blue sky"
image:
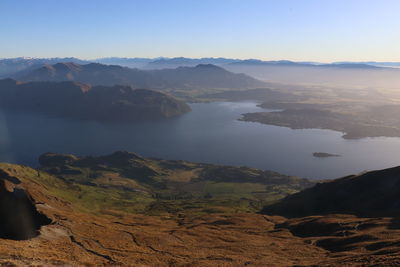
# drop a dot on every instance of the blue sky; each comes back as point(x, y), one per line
point(303, 30)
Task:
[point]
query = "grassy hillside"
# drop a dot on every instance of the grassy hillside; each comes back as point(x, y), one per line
point(126, 182)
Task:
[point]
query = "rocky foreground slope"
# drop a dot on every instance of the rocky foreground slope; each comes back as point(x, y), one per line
point(123, 209)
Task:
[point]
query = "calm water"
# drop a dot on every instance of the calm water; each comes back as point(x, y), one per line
point(210, 133)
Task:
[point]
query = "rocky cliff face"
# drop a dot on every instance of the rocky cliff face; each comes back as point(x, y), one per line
point(19, 218)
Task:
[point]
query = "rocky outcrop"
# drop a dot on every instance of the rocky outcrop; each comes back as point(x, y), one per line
point(19, 218)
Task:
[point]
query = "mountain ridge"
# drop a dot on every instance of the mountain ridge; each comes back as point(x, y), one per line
point(10, 66)
point(200, 76)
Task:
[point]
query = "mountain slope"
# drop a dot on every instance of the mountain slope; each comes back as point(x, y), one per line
point(103, 236)
point(201, 76)
point(375, 193)
point(75, 100)
point(94, 211)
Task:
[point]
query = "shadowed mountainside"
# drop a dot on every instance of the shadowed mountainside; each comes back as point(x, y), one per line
point(75, 100)
point(374, 193)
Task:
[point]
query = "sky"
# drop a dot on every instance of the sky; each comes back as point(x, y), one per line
point(300, 30)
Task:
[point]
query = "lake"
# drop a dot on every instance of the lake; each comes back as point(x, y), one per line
point(210, 133)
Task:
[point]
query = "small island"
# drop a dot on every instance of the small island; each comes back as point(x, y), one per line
point(324, 155)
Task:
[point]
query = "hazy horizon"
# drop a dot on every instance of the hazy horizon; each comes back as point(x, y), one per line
point(210, 57)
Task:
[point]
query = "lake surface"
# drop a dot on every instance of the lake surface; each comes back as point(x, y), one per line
point(210, 133)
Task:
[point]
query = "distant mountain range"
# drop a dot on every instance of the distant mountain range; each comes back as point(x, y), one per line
point(137, 62)
point(175, 74)
point(182, 61)
point(12, 65)
point(374, 63)
point(161, 63)
point(187, 62)
point(257, 62)
point(76, 100)
point(200, 77)
point(287, 63)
